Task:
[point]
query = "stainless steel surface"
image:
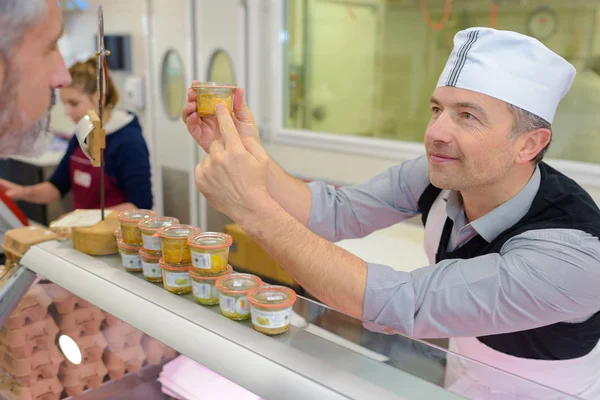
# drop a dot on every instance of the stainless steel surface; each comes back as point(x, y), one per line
point(306, 362)
point(13, 290)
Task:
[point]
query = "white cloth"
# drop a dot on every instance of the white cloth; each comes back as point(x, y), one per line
point(511, 67)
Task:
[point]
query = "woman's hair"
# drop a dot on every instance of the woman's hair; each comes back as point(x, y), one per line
point(84, 76)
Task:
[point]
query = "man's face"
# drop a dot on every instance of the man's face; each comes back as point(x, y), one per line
point(468, 140)
point(26, 94)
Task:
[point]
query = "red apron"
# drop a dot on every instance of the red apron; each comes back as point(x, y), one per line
point(85, 184)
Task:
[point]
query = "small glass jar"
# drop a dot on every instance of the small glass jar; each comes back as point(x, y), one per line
point(130, 257)
point(176, 279)
point(148, 227)
point(174, 243)
point(233, 294)
point(271, 309)
point(129, 220)
point(203, 287)
point(210, 251)
point(209, 94)
point(151, 266)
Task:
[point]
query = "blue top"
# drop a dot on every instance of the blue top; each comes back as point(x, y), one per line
point(127, 161)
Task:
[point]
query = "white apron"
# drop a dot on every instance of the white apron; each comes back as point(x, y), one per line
point(578, 377)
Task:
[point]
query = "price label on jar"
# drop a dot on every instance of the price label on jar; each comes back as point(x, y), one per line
point(201, 261)
point(151, 243)
point(237, 306)
point(202, 290)
point(131, 262)
point(271, 319)
point(151, 270)
point(178, 279)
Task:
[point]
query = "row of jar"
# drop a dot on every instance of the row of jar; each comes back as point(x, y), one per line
point(186, 260)
point(178, 245)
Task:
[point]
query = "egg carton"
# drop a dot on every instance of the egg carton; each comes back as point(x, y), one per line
point(111, 320)
point(122, 336)
point(22, 342)
point(43, 364)
point(81, 322)
point(33, 307)
point(76, 379)
point(156, 351)
point(91, 347)
point(64, 301)
point(129, 360)
point(45, 389)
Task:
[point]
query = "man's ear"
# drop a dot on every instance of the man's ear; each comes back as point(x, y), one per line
point(531, 144)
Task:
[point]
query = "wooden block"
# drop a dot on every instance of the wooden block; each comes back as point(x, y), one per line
point(99, 239)
point(17, 241)
point(246, 254)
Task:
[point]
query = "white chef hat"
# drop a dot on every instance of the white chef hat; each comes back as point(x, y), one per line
point(511, 67)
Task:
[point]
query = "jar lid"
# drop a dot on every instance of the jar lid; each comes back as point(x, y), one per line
point(150, 256)
point(176, 268)
point(154, 224)
point(213, 85)
point(272, 297)
point(237, 283)
point(197, 276)
point(135, 215)
point(210, 240)
point(127, 247)
point(177, 231)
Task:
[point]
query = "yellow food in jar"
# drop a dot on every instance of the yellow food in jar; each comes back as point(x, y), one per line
point(130, 234)
point(218, 260)
point(176, 251)
point(272, 331)
point(207, 101)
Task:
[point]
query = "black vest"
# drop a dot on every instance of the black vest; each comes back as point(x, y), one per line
point(559, 203)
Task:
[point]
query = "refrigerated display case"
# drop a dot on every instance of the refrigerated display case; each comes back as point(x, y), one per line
point(324, 355)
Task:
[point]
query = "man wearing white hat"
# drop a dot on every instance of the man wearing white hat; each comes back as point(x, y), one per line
point(513, 244)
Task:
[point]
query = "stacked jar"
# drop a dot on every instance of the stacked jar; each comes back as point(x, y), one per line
point(210, 254)
point(130, 240)
point(151, 251)
point(176, 257)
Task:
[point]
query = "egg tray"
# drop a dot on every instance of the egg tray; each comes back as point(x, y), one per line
point(46, 389)
point(119, 363)
point(43, 364)
point(81, 322)
point(64, 301)
point(22, 342)
point(121, 336)
point(91, 347)
point(156, 351)
point(76, 379)
point(33, 307)
point(111, 320)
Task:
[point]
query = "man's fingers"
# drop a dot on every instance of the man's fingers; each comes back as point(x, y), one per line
point(227, 128)
point(191, 93)
point(240, 108)
point(216, 147)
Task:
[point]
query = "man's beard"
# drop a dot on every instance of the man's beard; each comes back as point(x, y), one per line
point(17, 136)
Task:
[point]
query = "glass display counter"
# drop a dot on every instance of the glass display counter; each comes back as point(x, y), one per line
point(324, 355)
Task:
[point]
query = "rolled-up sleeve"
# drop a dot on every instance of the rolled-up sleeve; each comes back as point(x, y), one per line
point(539, 278)
point(355, 211)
